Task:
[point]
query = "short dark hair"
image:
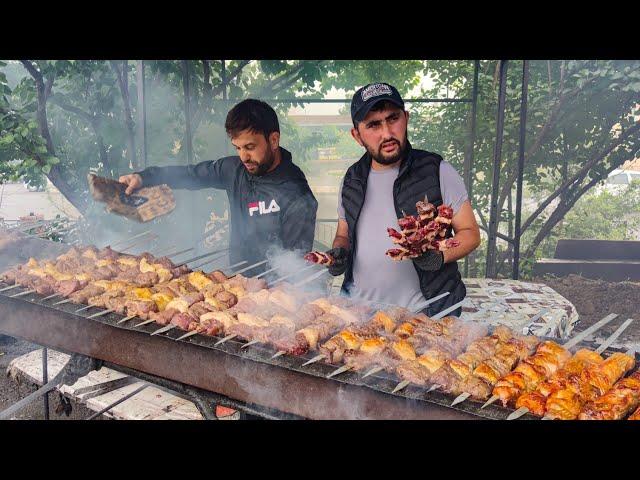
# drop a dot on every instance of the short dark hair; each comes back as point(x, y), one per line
point(378, 107)
point(253, 115)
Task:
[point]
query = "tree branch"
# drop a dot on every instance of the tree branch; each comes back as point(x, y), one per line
point(95, 123)
point(533, 149)
point(55, 174)
point(581, 173)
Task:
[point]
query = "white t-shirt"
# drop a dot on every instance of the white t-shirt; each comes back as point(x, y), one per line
point(376, 277)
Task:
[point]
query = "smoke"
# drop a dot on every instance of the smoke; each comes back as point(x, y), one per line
point(291, 264)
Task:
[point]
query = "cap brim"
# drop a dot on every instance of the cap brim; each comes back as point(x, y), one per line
point(360, 114)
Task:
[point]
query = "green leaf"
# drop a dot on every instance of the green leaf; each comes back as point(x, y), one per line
point(46, 169)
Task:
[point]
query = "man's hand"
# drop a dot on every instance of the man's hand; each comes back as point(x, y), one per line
point(133, 182)
point(430, 261)
point(339, 264)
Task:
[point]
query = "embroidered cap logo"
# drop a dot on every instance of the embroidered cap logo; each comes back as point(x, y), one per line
point(375, 90)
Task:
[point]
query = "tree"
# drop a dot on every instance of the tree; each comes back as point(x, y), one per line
point(582, 124)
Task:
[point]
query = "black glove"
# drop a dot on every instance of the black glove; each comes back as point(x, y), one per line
point(339, 265)
point(430, 261)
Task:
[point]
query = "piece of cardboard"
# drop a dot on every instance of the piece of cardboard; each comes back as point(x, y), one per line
point(143, 205)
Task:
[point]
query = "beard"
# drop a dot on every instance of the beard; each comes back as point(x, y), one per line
point(379, 156)
point(262, 168)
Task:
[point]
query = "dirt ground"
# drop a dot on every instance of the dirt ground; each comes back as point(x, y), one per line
point(595, 299)
point(12, 391)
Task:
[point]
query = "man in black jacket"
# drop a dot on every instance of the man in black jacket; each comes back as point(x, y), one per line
point(377, 190)
point(269, 197)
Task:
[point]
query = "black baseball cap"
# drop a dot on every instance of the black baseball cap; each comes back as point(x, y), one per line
point(365, 98)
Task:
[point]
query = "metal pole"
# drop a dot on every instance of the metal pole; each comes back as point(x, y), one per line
point(187, 108)
point(223, 77)
point(186, 83)
point(142, 112)
point(523, 133)
point(490, 270)
point(468, 158)
point(45, 380)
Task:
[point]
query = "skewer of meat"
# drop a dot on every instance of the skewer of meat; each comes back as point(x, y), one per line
point(617, 403)
point(319, 258)
point(581, 365)
point(594, 382)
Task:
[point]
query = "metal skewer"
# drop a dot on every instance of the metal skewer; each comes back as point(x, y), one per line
point(231, 274)
point(166, 328)
point(122, 250)
point(61, 302)
point(612, 338)
point(250, 267)
point(582, 335)
point(188, 334)
point(265, 272)
point(99, 314)
point(146, 322)
point(52, 296)
point(15, 285)
point(161, 249)
point(26, 292)
point(460, 398)
point(215, 259)
point(279, 353)
point(87, 307)
point(403, 384)
point(315, 359)
point(125, 319)
point(204, 255)
point(248, 344)
point(311, 278)
point(292, 274)
point(374, 370)
point(175, 254)
point(130, 238)
point(429, 302)
point(340, 370)
point(446, 311)
point(228, 337)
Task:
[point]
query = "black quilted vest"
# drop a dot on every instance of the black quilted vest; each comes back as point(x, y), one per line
point(419, 175)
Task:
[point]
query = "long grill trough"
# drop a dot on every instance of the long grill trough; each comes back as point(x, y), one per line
point(255, 375)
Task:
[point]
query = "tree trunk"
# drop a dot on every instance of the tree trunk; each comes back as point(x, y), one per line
point(95, 123)
point(55, 174)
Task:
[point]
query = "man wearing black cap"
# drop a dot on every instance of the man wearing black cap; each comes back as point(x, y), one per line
point(377, 190)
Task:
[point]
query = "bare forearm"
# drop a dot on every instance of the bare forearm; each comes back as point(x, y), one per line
point(341, 241)
point(469, 241)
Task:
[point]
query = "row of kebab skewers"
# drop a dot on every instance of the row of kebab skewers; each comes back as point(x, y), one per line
point(453, 356)
point(520, 371)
